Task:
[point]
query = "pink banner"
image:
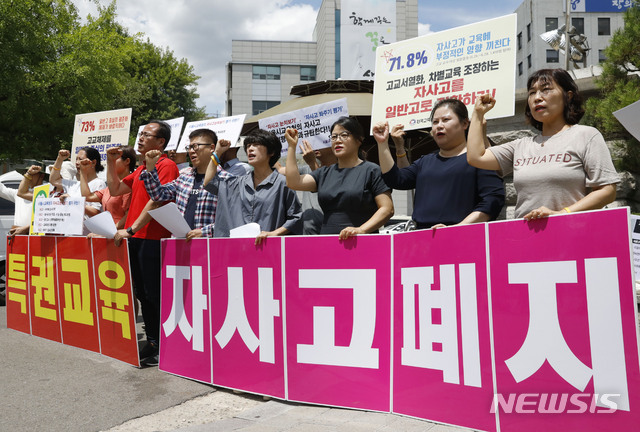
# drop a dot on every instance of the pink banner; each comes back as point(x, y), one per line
point(246, 310)
point(536, 320)
point(564, 327)
point(338, 301)
point(185, 331)
point(442, 356)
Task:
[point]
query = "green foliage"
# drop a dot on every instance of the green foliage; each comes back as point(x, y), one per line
point(53, 68)
point(619, 86)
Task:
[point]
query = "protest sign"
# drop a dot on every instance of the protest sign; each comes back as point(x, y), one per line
point(227, 128)
point(312, 123)
point(463, 63)
point(564, 323)
point(509, 325)
point(39, 192)
point(73, 290)
point(185, 310)
point(51, 216)
point(101, 130)
point(176, 127)
point(246, 315)
point(441, 323)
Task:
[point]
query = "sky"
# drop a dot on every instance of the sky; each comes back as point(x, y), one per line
point(201, 30)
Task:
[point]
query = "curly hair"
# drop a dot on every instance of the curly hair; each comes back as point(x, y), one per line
point(573, 110)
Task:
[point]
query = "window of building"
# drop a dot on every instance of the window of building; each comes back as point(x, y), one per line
point(604, 26)
point(520, 40)
point(520, 68)
point(553, 56)
point(601, 56)
point(266, 72)
point(529, 61)
point(528, 32)
point(578, 23)
point(550, 24)
point(307, 73)
point(259, 106)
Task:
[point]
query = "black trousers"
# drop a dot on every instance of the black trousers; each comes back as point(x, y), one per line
point(144, 257)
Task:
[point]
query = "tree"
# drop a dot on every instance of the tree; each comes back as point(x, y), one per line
point(53, 68)
point(619, 86)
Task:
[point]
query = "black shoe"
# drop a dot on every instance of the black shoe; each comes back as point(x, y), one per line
point(150, 361)
point(149, 350)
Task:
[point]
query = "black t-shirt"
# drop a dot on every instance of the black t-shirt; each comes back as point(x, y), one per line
point(347, 195)
point(190, 209)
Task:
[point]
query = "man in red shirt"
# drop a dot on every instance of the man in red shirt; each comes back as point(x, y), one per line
point(143, 232)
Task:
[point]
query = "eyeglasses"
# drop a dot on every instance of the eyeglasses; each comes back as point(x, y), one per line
point(343, 136)
point(195, 146)
point(147, 135)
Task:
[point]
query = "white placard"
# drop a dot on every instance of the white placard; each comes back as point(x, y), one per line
point(313, 123)
point(227, 128)
point(102, 224)
point(51, 216)
point(101, 130)
point(250, 230)
point(170, 217)
point(175, 125)
point(462, 63)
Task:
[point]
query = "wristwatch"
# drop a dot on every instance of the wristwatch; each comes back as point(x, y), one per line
point(130, 231)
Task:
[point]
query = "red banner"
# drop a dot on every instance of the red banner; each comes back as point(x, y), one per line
point(72, 290)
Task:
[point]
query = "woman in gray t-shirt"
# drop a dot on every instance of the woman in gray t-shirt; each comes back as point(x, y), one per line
point(566, 168)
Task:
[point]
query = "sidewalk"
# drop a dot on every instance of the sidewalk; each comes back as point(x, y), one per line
point(49, 386)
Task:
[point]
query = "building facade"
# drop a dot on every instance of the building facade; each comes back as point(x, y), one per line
point(261, 73)
point(598, 21)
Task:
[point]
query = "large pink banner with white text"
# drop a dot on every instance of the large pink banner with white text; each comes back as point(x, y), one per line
point(338, 321)
point(442, 349)
point(185, 330)
point(535, 320)
point(247, 315)
point(565, 335)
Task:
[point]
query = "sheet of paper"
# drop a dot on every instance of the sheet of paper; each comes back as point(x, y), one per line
point(628, 116)
point(251, 229)
point(102, 224)
point(170, 217)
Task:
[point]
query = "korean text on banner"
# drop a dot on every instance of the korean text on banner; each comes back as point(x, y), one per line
point(176, 127)
point(563, 310)
point(101, 130)
point(441, 324)
point(52, 216)
point(73, 290)
point(463, 63)
point(313, 123)
point(185, 328)
point(247, 315)
point(227, 128)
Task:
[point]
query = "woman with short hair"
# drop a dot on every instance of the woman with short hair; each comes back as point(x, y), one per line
point(566, 168)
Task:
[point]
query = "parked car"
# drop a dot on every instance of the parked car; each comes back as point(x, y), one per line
point(12, 180)
point(396, 224)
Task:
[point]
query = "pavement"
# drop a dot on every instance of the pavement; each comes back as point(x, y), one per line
point(45, 385)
